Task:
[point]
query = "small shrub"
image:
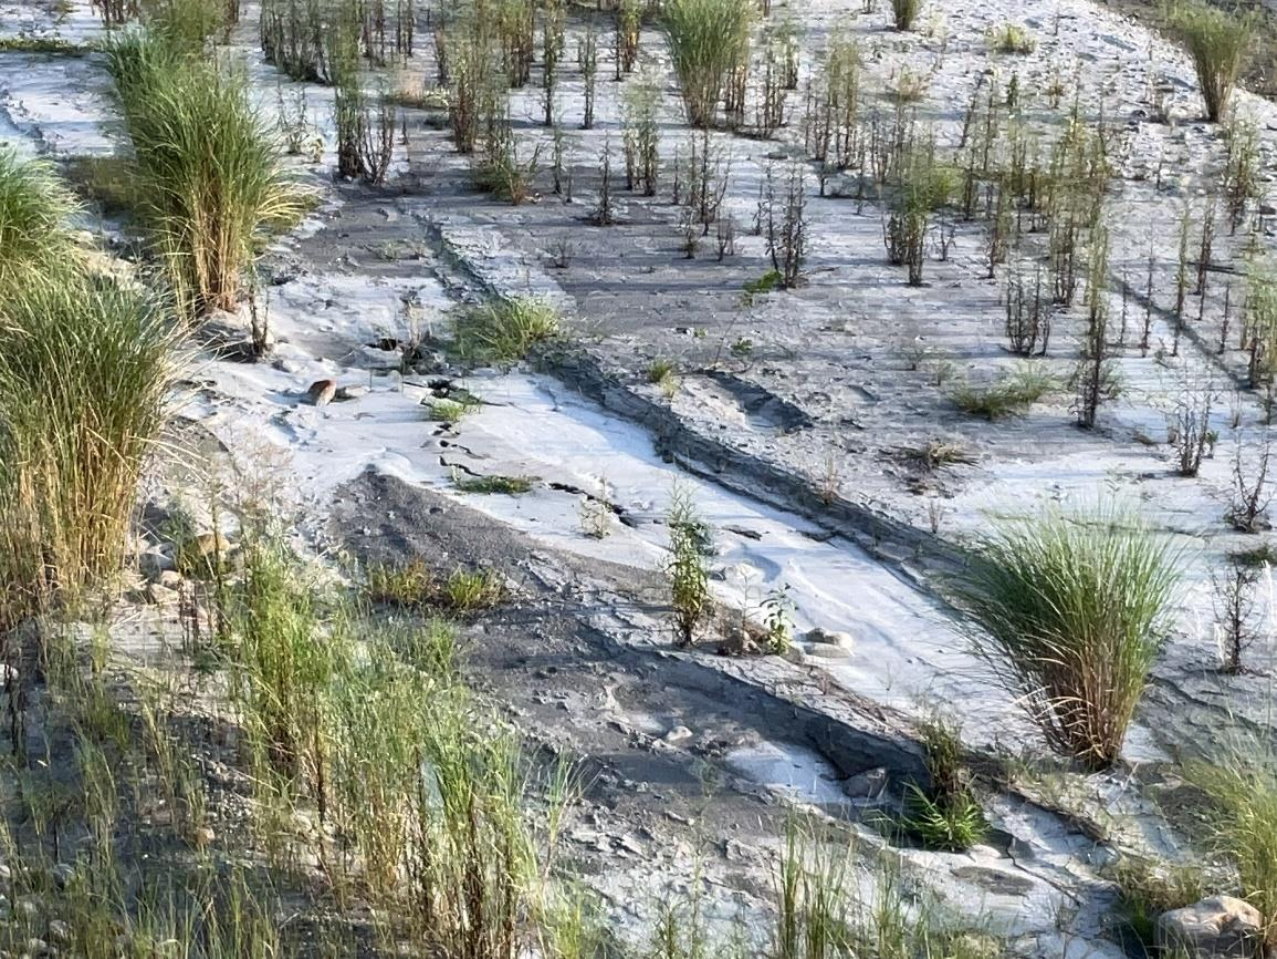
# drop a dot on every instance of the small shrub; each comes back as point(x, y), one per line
point(663, 373)
point(1219, 43)
point(1071, 610)
point(1013, 38)
point(769, 281)
point(506, 330)
point(689, 578)
point(447, 411)
point(947, 815)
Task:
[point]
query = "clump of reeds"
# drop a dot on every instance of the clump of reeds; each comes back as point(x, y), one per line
point(85, 371)
point(1219, 43)
point(506, 330)
point(208, 167)
point(709, 40)
point(35, 205)
point(1071, 609)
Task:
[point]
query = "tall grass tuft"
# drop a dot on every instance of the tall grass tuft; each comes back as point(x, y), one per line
point(904, 13)
point(1071, 609)
point(1243, 791)
point(85, 370)
point(709, 40)
point(1219, 43)
point(208, 167)
point(35, 206)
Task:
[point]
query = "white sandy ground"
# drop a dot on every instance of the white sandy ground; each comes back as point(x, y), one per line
point(906, 651)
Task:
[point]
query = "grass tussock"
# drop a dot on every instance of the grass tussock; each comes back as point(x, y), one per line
point(35, 210)
point(1219, 42)
point(495, 484)
point(73, 448)
point(708, 40)
point(1012, 38)
point(208, 171)
point(1242, 788)
point(1011, 395)
point(506, 330)
point(414, 585)
point(1071, 609)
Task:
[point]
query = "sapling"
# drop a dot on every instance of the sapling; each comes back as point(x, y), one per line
point(787, 228)
point(587, 57)
point(1241, 183)
point(603, 213)
point(552, 25)
point(1251, 494)
point(1190, 431)
point(1238, 617)
point(642, 137)
point(629, 21)
point(1028, 315)
point(708, 169)
point(688, 575)
point(1096, 376)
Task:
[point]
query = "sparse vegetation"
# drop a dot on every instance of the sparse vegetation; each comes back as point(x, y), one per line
point(904, 13)
point(1070, 610)
point(946, 815)
point(688, 576)
point(1012, 38)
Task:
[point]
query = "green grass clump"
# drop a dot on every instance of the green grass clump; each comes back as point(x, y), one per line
point(509, 485)
point(1071, 609)
point(208, 171)
point(1011, 395)
point(86, 367)
point(35, 209)
point(1243, 792)
point(506, 330)
point(947, 814)
point(708, 40)
point(1219, 43)
point(52, 46)
point(769, 281)
point(1013, 38)
point(447, 411)
point(1146, 890)
point(414, 585)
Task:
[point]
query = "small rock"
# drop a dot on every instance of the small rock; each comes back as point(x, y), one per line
point(869, 784)
point(823, 651)
point(27, 907)
point(170, 579)
point(203, 836)
point(737, 643)
point(36, 947)
point(826, 637)
point(677, 735)
point(795, 655)
point(154, 563)
point(350, 392)
point(158, 595)
point(1221, 927)
point(321, 392)
point(60, 932)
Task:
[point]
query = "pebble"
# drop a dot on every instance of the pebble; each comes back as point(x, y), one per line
point(677, 735)
point(321, 392)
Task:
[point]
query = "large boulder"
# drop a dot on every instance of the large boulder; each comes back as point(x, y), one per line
point(1221, 927)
